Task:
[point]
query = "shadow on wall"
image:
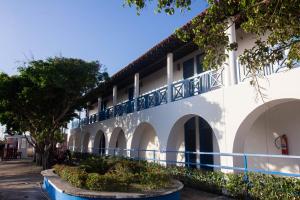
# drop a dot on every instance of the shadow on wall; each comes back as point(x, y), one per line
point(200, 129)
point(260, 132)
point(155, 127)
point(145, 139)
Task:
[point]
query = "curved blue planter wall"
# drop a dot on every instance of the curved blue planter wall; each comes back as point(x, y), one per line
point(56, 194)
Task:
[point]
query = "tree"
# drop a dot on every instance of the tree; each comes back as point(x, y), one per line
point(43, 98)
point(275, 20)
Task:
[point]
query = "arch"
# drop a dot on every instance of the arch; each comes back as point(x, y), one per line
point(145, 140)
point(117, 142)
point(85, 143)
point(260, 128)
point(192, 133)
point(100, 143)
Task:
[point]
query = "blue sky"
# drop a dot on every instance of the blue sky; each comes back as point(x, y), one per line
point(89, 29)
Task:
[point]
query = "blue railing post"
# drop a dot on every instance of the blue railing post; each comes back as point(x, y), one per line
point(246, 177)
point(154, 156)
point(245, 167)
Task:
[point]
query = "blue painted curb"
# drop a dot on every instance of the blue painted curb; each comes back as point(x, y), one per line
point(57, 194)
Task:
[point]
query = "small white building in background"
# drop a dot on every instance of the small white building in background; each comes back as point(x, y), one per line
point(20, 144)
point(166, 101)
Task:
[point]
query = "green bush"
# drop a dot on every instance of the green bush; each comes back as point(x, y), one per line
point(211, 181)
point(272, 187)
point(114, 174)
point(74, 175)
point(109, 182)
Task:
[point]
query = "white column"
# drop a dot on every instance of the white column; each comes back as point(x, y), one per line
point(136, 89)
point(169, 75)
point(115, 95)
point(230, 69)
point(99, 104)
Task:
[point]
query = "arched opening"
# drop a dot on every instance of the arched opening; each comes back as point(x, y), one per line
point(191, 133)
point(145, 142)
point(85, 143)
point(99, 143)
point(261, 133)
point(118, 142)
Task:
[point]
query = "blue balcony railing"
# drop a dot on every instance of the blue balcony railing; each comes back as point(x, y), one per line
point(198, 84)
point(152, 99)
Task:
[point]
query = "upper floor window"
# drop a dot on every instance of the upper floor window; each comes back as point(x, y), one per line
point(190, 67)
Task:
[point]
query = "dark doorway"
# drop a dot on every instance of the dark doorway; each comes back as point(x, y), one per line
point(190, 142)
point(205, 142)
point(188, 68)
point(102, 144)
point(130, 93)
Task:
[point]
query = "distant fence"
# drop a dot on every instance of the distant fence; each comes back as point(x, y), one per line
point(193, 159)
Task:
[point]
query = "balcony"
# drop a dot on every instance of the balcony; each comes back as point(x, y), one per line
point(196, 85)
point(182, 89)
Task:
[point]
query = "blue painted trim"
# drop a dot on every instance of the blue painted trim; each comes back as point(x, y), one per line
point(57, 194)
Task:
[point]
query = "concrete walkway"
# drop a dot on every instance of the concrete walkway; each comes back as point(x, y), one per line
point(20, 179)
point(191, 194)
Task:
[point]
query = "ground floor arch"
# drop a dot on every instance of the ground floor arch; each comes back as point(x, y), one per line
point(145, 142)
point(261, 132)
point(192, 133)
point(118, 142)
point(99, 143)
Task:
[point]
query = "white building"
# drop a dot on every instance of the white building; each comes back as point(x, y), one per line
point(165, 101)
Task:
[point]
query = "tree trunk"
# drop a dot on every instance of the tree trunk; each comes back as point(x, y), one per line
point(47, 156)
point(38, 158)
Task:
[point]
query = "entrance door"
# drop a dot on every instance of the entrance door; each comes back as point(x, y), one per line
point(190, 142)
point(206, 144)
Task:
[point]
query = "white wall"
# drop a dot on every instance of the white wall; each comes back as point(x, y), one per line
point(276, 121)
point(229, 111)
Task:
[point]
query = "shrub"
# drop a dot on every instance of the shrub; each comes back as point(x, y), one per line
point(74, 175)
point(109, 182)
point(114, 174)
point(272, 187)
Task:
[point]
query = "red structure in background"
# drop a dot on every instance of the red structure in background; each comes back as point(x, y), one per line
point(9, 149)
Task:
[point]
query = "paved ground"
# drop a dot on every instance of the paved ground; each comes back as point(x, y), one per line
point(191, 194)
point(21, 180)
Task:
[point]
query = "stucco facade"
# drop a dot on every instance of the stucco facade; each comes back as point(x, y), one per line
point(241, 119)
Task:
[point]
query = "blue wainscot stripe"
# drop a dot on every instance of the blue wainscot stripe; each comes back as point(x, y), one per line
point(57, 194)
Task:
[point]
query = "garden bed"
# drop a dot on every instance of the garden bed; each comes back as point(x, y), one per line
point(110, 178)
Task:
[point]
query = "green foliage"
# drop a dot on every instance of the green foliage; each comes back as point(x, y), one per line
point(260, 186)
point(273, 23)
point(74, 175)
point(211, 181)
point(44, 96)
point(167, 6)
point(128, 175)
point(115, 174)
